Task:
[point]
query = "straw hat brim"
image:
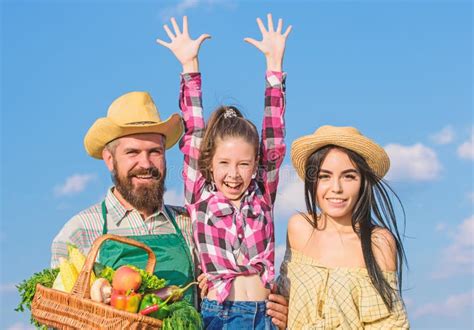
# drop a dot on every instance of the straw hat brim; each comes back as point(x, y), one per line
point(105, 130)
point(374, 155)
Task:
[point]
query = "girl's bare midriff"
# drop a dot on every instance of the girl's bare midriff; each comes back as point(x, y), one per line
point(244, 288)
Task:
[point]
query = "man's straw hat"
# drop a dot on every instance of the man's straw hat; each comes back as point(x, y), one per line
point(347, 137)
point(131, 113)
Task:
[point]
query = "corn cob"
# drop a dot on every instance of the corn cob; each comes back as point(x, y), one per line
point(68, 274)
point(78, 259)
point(58, 283)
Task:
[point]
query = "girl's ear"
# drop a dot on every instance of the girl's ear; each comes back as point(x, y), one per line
point(255, 170)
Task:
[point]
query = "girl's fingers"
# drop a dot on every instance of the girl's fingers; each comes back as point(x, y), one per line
point(185, 25)
point(287, 32)
point(203, 37)
point(163, 43)
point(168, 32)
point(279, 26)
point(251, 41)
point(175, 26)
point(270, 22)
point(261, 26)
point(254, 42)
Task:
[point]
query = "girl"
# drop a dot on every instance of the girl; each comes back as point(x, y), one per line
point(344, 254)
point(230, 185)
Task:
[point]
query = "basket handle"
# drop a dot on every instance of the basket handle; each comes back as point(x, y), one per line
point(82, 286)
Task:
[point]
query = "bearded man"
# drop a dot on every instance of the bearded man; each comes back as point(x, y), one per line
point(132, 140)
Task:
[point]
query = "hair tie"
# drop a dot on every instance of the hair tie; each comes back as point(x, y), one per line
point(230, 113)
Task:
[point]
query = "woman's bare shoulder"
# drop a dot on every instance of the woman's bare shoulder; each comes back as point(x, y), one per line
point(384, 248)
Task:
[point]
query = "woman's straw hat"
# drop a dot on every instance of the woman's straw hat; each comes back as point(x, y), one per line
point(131, 113)
point(347, 137)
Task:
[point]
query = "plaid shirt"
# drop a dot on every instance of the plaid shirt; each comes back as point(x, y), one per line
point(85, 227)
point(230, 241)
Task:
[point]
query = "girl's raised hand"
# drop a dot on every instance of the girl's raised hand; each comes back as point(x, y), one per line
point(183, 47)
point(273, 42)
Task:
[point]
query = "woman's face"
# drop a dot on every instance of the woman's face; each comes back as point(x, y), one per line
point(338, 186)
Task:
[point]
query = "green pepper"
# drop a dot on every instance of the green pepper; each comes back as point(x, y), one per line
point(148, 300)
point(163, 312)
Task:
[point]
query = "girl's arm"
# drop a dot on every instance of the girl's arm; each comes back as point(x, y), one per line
point(272, 148)
point(190, 102)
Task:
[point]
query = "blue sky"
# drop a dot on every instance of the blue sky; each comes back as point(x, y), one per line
point(400, 71)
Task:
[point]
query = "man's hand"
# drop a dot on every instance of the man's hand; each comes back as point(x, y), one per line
point(277, 308)
point(272, 44)
point(183, 47)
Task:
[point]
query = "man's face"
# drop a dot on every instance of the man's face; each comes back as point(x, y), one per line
point(138, 167)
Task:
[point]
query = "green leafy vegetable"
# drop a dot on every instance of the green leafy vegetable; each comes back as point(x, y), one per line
point(183, 317)
point(27, 289)
point(149, 282)
point(107, 273)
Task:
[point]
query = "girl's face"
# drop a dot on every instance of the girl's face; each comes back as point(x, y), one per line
point(232, 167)
point(338, 186)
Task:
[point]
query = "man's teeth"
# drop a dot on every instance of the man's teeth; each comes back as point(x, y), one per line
point(144, 176)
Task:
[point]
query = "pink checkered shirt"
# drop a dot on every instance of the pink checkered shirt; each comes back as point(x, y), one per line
point(223, 233)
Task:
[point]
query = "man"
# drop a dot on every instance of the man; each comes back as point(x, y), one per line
point(132, 140)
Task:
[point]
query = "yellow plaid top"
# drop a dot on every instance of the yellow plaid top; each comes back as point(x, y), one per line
point(335, 298)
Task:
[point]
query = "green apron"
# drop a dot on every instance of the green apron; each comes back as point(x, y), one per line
point(173, 258)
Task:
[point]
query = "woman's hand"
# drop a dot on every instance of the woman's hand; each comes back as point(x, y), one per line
point(272, 44)
point(183, 47)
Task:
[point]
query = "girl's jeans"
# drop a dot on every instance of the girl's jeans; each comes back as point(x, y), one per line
point(235, 315)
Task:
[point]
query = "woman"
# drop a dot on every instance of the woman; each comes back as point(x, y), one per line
point(344, 255)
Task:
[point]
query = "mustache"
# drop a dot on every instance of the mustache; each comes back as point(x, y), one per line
point(153, 171)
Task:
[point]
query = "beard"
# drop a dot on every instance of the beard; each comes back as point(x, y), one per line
point(143, 197)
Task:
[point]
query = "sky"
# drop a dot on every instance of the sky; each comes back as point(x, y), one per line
point(399, 71)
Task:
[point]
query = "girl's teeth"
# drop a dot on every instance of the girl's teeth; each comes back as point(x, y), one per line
point(232, 185)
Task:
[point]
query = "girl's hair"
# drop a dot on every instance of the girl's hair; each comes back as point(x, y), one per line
point(373, 209)
point(225, 121)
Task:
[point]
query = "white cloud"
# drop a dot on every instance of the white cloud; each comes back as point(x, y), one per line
point(20, 326)
point(458, 257)
point(74, 184)
point(180, 8)
point(7, 287)
point(290, 194)
point(466, 150)
point(445, 136)
point(452, 306)
point(416, 162)
point(172, 197)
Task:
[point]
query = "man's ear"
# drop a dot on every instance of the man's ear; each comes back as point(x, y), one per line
point(108, 159)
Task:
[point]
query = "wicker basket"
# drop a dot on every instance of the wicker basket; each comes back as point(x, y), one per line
point(76, 310)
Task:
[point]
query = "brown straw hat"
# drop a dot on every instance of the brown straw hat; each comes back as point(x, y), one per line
point(346, 137)
point(131, 113)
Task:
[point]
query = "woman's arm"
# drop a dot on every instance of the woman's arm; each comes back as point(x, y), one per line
point(186, 50)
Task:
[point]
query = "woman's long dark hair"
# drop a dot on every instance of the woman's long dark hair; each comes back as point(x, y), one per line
point(373, 209)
